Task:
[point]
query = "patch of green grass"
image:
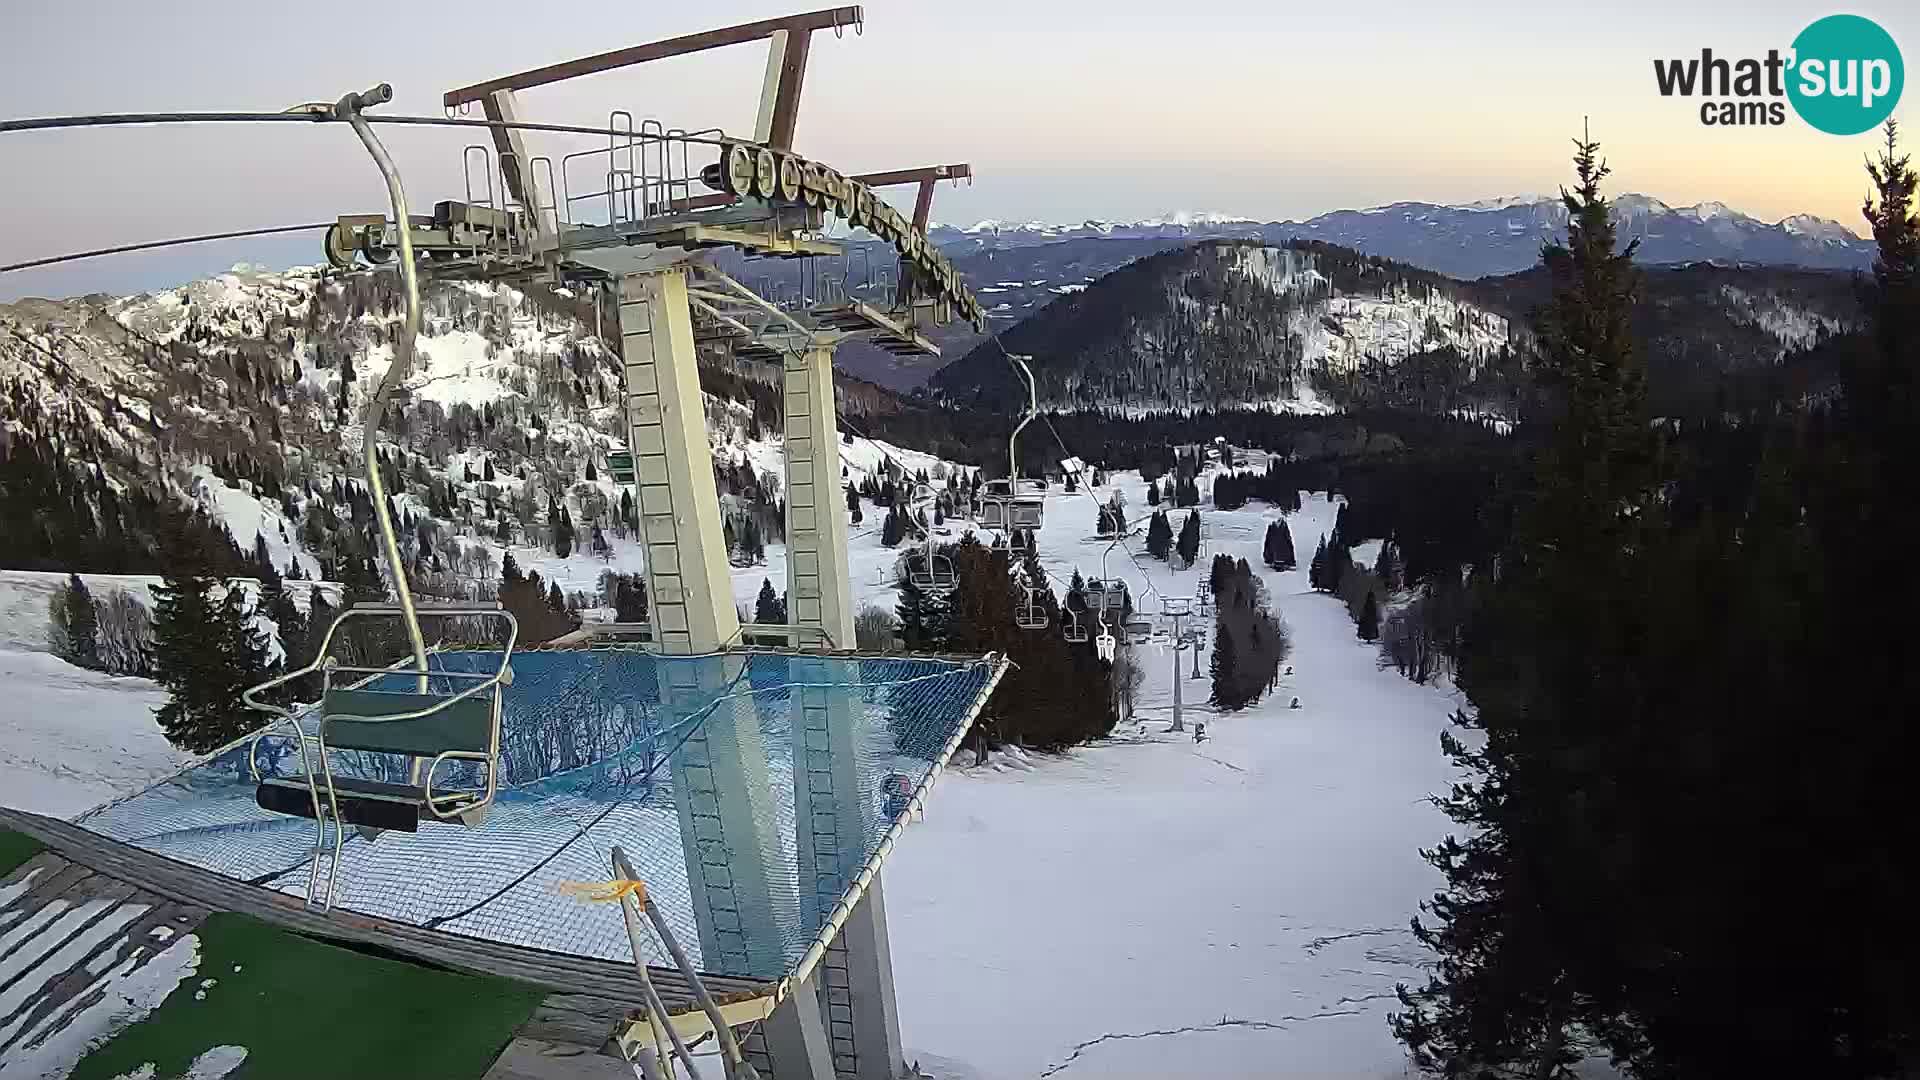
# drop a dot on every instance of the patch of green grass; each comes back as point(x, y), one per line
point(16, 849)
point(303, 1008)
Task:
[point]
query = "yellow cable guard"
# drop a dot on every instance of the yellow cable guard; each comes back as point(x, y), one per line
point(604, 892)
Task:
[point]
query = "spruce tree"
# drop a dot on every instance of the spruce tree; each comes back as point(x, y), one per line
point(1189, 543)
point(290, 626)
point(1226, 693)
point(83, 625)
point(1159, 535)
point(1524, 928)
point(767, 606)
point(1386, 565)
point(1369, 623)
point(205, 654)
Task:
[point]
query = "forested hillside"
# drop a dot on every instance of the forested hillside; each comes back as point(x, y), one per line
point(1311, 327)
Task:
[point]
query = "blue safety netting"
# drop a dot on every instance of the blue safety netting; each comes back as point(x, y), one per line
point(748, 789)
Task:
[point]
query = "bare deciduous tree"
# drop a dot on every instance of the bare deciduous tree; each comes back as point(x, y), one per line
point(126, 634)
point(873, 629)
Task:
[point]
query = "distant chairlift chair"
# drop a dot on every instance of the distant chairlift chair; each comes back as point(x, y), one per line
point(370, 714)
point(1030, 614)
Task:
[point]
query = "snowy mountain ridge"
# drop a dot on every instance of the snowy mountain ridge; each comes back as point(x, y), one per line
point(243, 395)
point(1231, 324)
point(1472, 239)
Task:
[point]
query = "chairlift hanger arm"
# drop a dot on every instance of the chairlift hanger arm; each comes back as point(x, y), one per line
point(824, 19)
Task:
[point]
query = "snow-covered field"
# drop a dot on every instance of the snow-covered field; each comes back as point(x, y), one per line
point(1156, 907)
point(1147, 906)
point(72, 738)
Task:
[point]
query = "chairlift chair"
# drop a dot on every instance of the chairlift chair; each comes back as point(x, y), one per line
point(1138, 631)
point(435, 720)
point(996, 498)
point(1026, 511)
point(1072, 628)
point(1030, 614)
point(1015, 503)
point(1105, 646)
point(934, 574)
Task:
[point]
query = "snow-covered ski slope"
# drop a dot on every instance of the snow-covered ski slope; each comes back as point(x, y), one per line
point(1142, 907)
point(1150, 907)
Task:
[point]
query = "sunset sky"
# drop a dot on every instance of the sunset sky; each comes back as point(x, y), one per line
point(1067, 109)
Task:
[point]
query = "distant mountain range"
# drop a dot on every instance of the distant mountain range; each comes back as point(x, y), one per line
point(1495, 236)
point(1019, 268)
point(1309, 327)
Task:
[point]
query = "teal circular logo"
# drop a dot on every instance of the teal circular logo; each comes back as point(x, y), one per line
point(1846, 75)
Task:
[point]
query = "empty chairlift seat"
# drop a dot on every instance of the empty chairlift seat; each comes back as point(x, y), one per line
point(383, 711)
point(1012, 504)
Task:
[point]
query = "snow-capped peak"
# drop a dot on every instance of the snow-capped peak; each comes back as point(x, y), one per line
point(1636, 203)
point(1822, 229)
point(1713, 211)
point(1505, 202)
point(1188, 218)
point(1177, 219)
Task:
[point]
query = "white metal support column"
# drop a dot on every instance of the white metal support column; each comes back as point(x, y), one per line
point(855, 992)
point(721, 787)
point(690, 595)
point(817, 580)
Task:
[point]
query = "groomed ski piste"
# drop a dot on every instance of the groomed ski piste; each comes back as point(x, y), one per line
point(1143, 906)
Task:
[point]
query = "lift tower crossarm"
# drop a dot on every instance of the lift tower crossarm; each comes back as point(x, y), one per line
point(824, 19)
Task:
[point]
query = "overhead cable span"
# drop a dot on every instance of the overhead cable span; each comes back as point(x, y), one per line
point(151, 244)
point(54, 123)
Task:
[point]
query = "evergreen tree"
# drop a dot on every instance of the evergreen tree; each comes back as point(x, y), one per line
point(1386, 566)
point(1277, 552)
point(1153, 493)
point(1527, 919)
point(289, 624)
point(1317, 568)
point(1369, 626)
point(629, 600)
point(205, 654)
point(83, 625)
point(1159, 535)
point(1189, 542)
point(768, 607)
point(853, 504)
point(1225, 691)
